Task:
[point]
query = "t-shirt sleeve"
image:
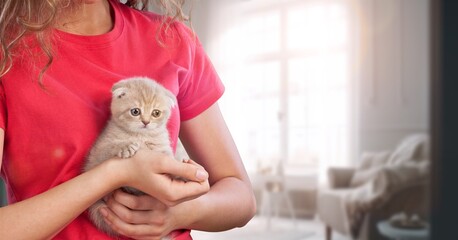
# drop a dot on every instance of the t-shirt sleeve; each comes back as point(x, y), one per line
point(2, 108)
point(201, 87)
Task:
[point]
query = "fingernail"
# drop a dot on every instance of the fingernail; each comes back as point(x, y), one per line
point(201, 174)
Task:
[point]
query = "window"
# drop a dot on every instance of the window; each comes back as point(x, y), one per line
point(287, 70)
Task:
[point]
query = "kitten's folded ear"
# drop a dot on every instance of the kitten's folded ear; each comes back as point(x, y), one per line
point(118, 90)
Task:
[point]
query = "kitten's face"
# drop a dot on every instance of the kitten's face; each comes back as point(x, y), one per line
point(141, 104)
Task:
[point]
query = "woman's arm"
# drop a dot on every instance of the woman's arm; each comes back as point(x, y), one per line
point(44, 215)
point(230, 202)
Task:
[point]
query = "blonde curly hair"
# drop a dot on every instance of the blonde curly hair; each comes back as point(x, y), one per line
point(19, 18)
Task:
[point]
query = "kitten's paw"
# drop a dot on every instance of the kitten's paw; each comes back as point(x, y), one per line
point(129, 150)
point(150, 145)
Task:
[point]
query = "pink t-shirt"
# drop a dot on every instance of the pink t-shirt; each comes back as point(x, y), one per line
point(48, 131)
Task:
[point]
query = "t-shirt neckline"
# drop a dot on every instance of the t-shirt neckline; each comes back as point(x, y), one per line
point(96, 40)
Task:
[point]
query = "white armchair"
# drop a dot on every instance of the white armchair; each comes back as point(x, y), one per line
point(383, 184)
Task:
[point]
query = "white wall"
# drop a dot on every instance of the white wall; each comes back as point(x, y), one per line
point(394, 85)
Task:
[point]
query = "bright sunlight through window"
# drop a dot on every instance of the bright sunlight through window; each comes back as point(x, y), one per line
point(287, 70)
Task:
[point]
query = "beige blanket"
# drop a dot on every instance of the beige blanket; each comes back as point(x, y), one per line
point(375, 181)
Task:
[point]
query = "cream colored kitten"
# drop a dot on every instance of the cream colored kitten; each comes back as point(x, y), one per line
point(140, 109)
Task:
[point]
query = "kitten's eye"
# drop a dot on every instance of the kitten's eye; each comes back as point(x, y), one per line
point(135, 111)
point(156, 113)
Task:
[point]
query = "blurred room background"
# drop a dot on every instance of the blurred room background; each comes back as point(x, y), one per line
point(314, 85)
point(316, 88)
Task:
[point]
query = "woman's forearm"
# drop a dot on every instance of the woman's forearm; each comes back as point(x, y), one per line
point(44, 215)
point(228, 204)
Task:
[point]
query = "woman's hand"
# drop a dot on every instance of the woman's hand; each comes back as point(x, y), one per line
point(161, 176)
point(139, 217)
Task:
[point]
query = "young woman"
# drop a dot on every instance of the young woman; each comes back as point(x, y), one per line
point(59, 60)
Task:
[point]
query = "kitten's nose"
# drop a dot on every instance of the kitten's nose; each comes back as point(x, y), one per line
point(145, 122)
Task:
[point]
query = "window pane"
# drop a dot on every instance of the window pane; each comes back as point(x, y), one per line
point(312, 52)
point(262, 33)
point(316, 26)
point(257, 115)
point(318, 108)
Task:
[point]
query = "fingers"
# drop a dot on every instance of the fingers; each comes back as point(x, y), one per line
point(188, 169)
point(140, 203)
point(134, 231)
point(161, 176)
point(148, 223)
point(129, 216)
point(192, 162)
point(179, 191)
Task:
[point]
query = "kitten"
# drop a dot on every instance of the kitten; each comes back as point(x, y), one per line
point(140, 109)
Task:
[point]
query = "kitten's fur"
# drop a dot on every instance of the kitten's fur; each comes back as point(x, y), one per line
point(140, 109)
